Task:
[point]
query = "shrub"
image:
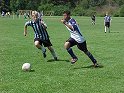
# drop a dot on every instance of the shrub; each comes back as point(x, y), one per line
point(90, 12)
point(46, 7)
point(78, 11)
point(58, 10)
point(116, 14)
point(122, 11)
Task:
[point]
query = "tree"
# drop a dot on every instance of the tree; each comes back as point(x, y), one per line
point(122, 11)
point(119, 2)
point(96, 2)
point(4, 5)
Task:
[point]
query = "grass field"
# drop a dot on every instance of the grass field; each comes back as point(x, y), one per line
point(60, 76)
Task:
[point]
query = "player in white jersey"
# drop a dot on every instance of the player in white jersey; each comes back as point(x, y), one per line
point(107, 20)
point(76, 38)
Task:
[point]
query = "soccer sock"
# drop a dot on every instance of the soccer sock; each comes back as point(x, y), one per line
point(70, 51)
point(105, 29)
point(91, 57)
point(53, 53)
point(42, 49)
point(109, 30)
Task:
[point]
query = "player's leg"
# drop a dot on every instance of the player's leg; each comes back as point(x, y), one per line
point(94, 21)
point(39, 46)
point(83, 47)
point(105, 27)
point(68, 44)
point(109, 27)
point(52, 52)
point(48, 44)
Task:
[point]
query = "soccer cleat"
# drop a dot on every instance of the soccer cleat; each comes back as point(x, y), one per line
point(74, 60)
point(55, 58)
point(44, 53)
point(96, 65)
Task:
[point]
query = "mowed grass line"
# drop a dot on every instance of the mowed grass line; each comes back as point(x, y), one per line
point(61, 76)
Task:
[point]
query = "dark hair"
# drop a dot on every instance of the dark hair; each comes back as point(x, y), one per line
point(67, 12)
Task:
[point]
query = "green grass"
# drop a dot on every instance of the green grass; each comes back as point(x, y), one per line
point(61, 76)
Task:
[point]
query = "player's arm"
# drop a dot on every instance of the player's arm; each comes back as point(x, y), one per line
point(25, 30)
point(69, 26)
point(44, 25)
point(25, 27)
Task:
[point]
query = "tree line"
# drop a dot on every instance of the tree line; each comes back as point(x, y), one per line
point(78, 7)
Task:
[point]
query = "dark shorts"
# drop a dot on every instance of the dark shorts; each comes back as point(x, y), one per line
point(46, 43)
point(107, 24)
point(81, 46)
point(93, 20)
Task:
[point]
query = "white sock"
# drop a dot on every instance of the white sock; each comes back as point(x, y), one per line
point(105, 29)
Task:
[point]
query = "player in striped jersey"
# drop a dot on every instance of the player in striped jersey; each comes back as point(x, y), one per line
point(76, 38)
point(40, 34)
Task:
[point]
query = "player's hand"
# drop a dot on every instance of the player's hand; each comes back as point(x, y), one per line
point(63, 21)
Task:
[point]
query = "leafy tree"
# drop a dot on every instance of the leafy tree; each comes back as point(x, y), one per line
point(119, 2)
point(58, 10)
point(96, 2)
point(122, 11)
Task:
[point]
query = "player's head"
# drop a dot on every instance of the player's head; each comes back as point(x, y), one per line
point(66, 15)
point(34, 15)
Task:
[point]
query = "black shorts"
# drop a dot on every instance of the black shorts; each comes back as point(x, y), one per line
point(81, 46)
point(93, 20)
point(46, 43)
point(107, 24)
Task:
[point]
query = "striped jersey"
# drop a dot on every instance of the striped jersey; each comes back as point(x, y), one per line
point(39, 31)
point(107, 18)
point(75, 34)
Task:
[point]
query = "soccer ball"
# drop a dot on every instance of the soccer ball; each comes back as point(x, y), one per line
point(26, 67)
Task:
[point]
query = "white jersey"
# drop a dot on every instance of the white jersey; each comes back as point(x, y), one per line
point(75, 34)
point(107, 18)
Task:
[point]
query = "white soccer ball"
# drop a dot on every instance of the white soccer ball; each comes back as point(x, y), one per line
point(26, 67)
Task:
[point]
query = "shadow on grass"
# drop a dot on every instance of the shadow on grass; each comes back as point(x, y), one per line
point(32, 70)
point(114, 32)
point(52, 60)
point(91, 66)
point(29, 70)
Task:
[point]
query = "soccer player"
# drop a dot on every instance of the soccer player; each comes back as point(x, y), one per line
point(76, 38)
point(93, 18)
point(3, 13)
point(25, 16)
point(107, 20)
point(41, 36)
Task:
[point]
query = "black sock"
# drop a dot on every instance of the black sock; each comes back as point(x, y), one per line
point(70, 51)
point(91, 57)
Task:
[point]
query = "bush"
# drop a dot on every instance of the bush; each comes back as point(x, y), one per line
point(78, 11)
point(122, 11)
point(90, 12)
point(58, 10)
point(116, 14)
point(46, 7)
